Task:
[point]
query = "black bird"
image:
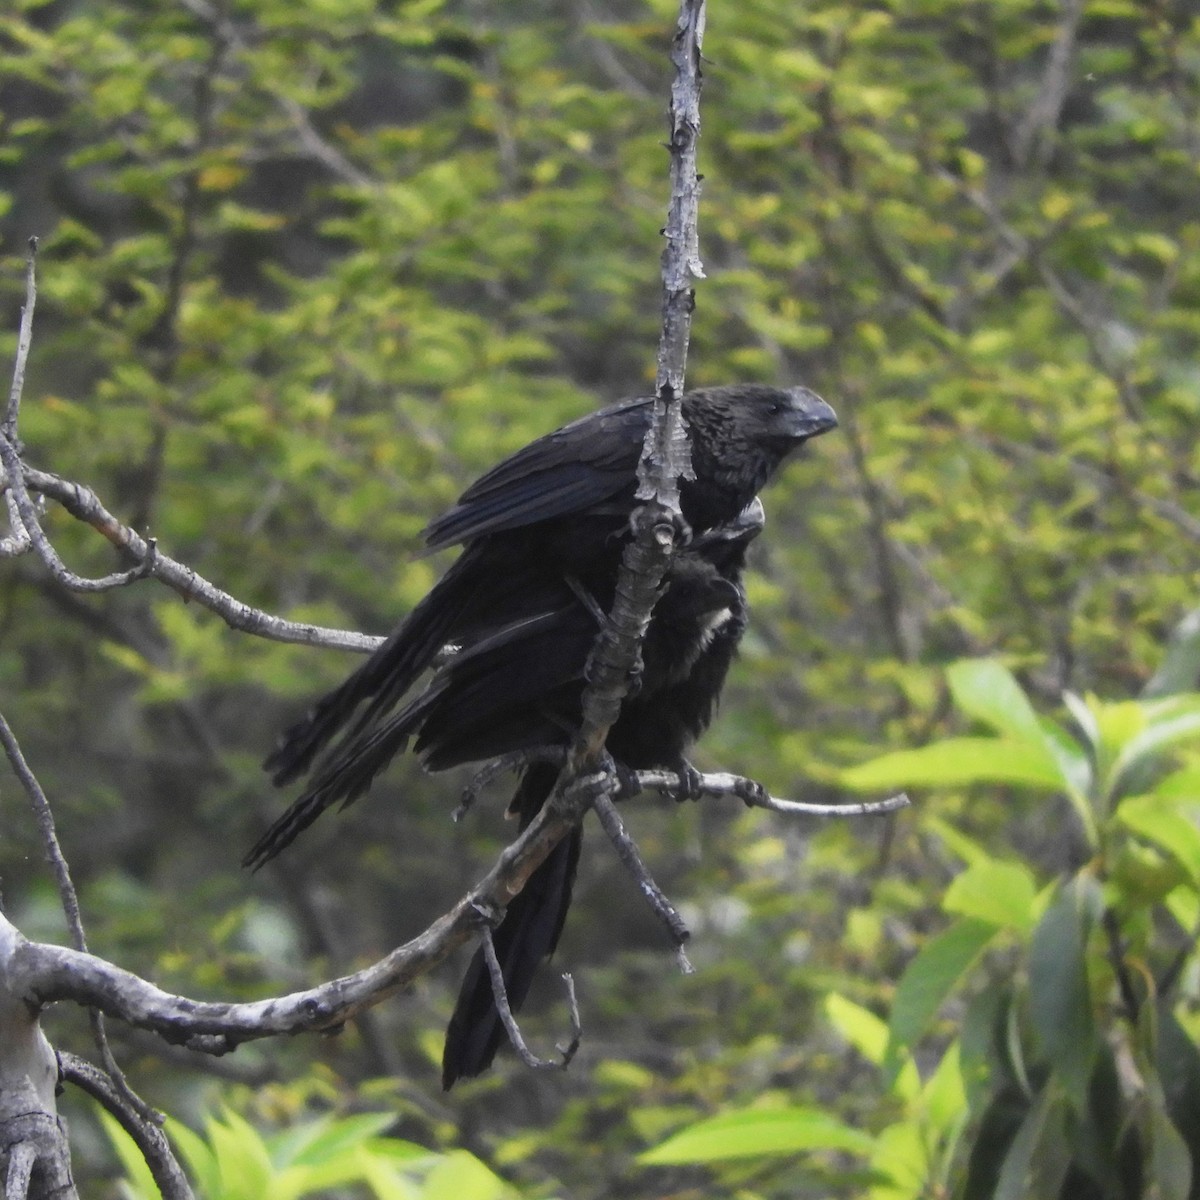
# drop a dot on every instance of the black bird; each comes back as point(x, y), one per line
point(548, 521)
point(690, 643)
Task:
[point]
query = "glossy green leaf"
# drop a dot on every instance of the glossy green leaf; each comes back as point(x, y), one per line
point(931, 976)
point(869, 1036)
point(321, 1141)
point(138, 1178)
point(959, 762)
point(753, 1133)
point(1038, 1159)
point(461, 1176)
point(1000, 893)
point(1179, 670)
point(1168, 722)
point(1160, 821)
point(1060, 1002)
point(243, 1160)
point(1171, 1166)
point(986, 691)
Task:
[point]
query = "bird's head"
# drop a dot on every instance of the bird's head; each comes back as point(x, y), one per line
point(792, 415)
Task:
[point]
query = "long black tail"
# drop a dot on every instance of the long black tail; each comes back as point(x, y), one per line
point(527, 935)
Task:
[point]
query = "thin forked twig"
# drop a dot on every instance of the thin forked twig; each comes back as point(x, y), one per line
point(69, 899)
point(628, 853)
point(500, 994)
point(151, 1141)
point(19, 482)
point(492, 770)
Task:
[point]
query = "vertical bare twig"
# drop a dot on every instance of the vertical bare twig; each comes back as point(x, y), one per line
point(8, 429)
point(44, 816)
point(666, 455)
point(1031, 133)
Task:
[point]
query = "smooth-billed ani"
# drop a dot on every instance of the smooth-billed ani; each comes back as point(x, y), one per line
point(689, 645)
point(549, 520)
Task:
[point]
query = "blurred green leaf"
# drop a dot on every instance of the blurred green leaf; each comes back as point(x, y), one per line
point(1159, 820)
point(1060, 1002)
point(958, 762)
point(931, 976)
point(1000, 893)
point(1038, 1159)
point(985, 690)
point(756, 1132)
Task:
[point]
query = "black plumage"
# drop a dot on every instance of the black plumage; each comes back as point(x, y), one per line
point(689, 646)
point(553, 515)
point(508, 633)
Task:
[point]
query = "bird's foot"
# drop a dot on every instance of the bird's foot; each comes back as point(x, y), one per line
point(657, 514)
point(628, 784)
point(750, 792)
point(691, 782)
point(636, 673)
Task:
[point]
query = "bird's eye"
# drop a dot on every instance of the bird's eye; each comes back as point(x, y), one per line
point(775, 407)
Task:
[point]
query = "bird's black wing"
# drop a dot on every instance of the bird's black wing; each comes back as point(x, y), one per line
point(392, 669)
point(584, 467)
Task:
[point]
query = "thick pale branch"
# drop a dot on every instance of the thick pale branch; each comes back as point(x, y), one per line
point(665, 456)
point(40, 974)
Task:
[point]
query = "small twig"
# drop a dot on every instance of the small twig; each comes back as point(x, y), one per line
point(500, 995)
point(8, 428)
point(17, 543)
point(69, 899)
point(21, 1158)
point(330, 157)
point(753, 795)
point(26, 524)
point(492, 770)
point(572, 1047)
point(149, 1138)
point(627, 851)
point(670, 783)
point(1044, 112)
point(83, 504)
point(1129, 996)
point(10, 460)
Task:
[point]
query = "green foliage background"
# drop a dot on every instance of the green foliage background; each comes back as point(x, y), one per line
point(308, 267)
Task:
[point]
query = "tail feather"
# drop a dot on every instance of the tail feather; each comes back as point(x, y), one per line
point(384, 678)
point(528, 934)
point(345, 776)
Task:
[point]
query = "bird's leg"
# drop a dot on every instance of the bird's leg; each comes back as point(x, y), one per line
point(691, 782)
